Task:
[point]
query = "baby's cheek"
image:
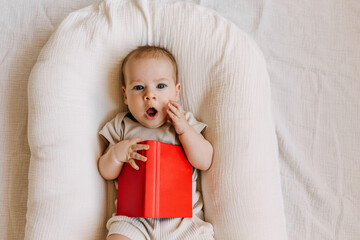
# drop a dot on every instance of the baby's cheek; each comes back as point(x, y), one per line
point(165, 108)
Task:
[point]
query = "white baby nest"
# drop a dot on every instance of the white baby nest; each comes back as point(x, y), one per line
point(74, 89)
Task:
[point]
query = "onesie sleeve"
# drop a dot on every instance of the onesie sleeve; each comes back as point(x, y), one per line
point(198, 126)
point(112, 132)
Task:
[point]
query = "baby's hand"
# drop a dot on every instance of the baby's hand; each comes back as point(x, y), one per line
point(126, 151)
point(177, 117)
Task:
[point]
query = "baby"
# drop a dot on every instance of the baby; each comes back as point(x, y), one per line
point(151, 92)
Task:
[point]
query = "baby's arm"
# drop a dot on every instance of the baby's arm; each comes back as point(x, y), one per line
point(112, 161)
point(197, 149)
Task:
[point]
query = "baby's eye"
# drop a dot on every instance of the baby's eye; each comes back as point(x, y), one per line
point(138, 87)
point(161, 85)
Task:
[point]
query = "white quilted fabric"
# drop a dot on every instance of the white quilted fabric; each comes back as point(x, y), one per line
point(74, 89)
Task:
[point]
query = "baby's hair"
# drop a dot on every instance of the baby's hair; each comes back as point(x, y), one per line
point(148, 51)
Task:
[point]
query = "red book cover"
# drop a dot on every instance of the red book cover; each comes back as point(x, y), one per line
point(161, 188)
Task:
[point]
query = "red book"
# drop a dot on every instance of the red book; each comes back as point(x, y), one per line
point(161, 188)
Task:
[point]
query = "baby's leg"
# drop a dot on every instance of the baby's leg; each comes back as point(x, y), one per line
point(117, 237)
point(127, 228)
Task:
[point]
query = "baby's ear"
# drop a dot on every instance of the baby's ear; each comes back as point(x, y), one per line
point(177, 89)
point(124, 94)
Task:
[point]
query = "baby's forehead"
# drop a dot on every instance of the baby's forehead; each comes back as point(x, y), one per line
point(146, 54)
point(132, 61)
point(136, 64)
point(147, 57)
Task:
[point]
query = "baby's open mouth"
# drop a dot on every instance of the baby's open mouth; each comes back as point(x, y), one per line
point(151, 112)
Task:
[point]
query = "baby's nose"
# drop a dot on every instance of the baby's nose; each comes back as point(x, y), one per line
point(150, 96)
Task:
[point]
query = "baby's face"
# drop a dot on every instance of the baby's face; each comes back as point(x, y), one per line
point(150, 85)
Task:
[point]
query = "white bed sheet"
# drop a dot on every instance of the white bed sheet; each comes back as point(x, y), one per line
point(25, 26)
point(313, 58)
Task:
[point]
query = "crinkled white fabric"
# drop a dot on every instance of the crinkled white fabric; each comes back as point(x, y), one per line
point(74, 89)
point(312, 54)
point(25, 26)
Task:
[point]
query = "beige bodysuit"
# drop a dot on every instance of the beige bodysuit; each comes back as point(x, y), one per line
point(123, 127)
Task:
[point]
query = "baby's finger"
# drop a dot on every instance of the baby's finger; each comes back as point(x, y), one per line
point(133, 164)
point(137, 156)
point(137, 147)
point(177, 105)
point(174, 110)
point(135, 140)
point(179, 110)
point(171, 114)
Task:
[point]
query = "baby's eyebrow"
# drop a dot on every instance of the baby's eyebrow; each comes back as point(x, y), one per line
point(161, 80)
point(134, 82)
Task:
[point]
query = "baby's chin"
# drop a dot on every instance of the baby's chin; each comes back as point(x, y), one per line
point(153, 124)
